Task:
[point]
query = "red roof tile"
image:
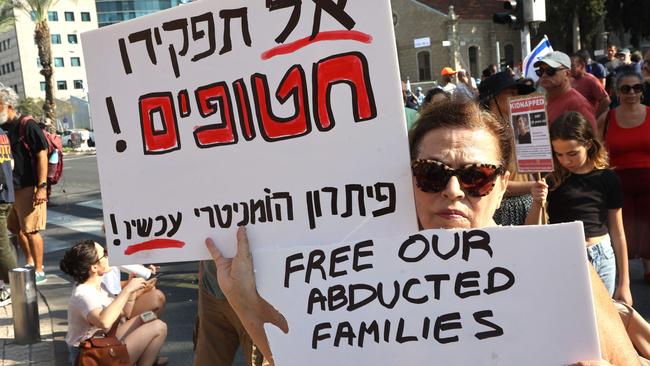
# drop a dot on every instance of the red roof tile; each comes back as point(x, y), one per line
point(467, 9)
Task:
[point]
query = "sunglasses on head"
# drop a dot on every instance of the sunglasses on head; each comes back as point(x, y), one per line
point(103, 256)
point(549, 71)
point(477, 180)
point(625, 89)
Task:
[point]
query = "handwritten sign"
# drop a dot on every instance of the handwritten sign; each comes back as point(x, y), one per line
point(532, 140)
point(462, 297)
point(282, 116)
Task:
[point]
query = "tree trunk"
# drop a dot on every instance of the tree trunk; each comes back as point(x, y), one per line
point(44, 44)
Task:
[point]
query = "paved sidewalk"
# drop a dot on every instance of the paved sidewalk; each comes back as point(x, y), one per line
point(41, 353)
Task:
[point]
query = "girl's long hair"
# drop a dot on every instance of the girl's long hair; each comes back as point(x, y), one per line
point(574, 126)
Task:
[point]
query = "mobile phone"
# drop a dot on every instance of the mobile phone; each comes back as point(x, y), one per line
point(148, 316)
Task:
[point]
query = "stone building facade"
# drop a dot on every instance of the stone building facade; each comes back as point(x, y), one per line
point(466, 28)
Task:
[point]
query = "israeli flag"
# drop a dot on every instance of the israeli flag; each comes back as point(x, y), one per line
point(538, 52)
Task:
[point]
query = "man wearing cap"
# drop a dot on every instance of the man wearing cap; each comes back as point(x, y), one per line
point(446, 82)
point(588, 85)
point(554, 71)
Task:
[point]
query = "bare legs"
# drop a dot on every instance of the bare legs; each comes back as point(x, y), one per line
point(143, 340)
point(32, 246)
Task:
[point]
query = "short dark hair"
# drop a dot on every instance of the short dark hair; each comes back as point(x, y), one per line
point(627, 71)
point(461, 114)
point(77, 260)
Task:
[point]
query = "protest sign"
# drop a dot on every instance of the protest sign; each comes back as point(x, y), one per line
point(444, 297)
point(285, 117)
point(530, 126)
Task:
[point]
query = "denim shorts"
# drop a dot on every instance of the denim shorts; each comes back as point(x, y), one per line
point(601, 256)
point(73, 352)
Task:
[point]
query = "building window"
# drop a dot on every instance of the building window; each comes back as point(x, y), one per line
point(15, 86)
point(72, 39)
point(85, 16)
point(42, 86)
point(12, 66)
point(58, 62)
point(473, 60)
point(75, 61)
point(3, 70)
point(509, 51)
point(69, 16)
point(62, 85)
point(52, 16)
point(78, 84)
point(56, 38)
point(424, 65)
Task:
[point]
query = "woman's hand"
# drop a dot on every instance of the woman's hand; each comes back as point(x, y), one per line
point(539, 191)
point(134, 285)
point(237, 281)
point(623, 294)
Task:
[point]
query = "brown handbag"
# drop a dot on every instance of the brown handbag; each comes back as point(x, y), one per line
point(103, 350)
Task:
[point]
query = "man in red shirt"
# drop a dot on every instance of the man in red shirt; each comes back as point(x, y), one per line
point(588, 85)
point(554, 70)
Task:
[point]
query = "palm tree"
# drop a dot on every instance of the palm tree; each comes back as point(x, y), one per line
point(37, 10)
point(6, 14)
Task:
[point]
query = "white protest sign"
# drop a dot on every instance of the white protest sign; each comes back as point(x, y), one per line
point(475, 297)
point(214, 114)
point(532, 141)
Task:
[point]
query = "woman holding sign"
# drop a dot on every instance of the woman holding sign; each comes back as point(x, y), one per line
point(459, 159)
point(584, 188)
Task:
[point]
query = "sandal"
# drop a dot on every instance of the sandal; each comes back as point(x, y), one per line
point(161, 361)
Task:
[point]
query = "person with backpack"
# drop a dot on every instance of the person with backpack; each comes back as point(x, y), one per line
point(29, 148)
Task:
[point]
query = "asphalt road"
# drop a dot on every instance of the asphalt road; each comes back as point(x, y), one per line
point(76, 203)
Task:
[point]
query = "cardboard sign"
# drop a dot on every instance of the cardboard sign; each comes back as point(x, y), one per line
point(283, 117)
point(530, 126)
point(462, 297)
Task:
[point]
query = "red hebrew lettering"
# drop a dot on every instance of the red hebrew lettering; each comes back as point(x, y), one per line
point(293, 85)
point(184, 103)
point(244, 108)
point(223, 133)
point(159, 141)
point(348, 68)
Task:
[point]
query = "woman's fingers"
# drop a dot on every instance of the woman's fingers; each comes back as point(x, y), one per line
point(243, 248)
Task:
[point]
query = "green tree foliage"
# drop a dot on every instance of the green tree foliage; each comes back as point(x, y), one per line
point(6, 14)
point(37, 10)
point(32, 107)
point(631, 16)
point(559, 22)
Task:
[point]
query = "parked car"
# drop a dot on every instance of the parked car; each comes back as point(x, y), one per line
point(74, 138)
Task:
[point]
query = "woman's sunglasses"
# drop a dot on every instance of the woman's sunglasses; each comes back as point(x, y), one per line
point(625, 89)
point(477, 180)
point(549, 71)
point(103, 256)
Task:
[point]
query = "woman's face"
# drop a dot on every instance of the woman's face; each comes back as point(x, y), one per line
point(102, 262)
point(631, 97)
point(452, 207)
point(500, 105)
point(571, 155)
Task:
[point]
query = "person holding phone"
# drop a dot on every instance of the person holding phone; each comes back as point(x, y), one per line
point(147, 299)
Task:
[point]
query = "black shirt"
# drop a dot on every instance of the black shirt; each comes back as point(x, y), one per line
point(586, 198)
point(24, 173)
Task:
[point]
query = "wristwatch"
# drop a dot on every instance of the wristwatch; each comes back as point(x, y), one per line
point(42, 185)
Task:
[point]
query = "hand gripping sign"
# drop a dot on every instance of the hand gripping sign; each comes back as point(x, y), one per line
point(284, 116)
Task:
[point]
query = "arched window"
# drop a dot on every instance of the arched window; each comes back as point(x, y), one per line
point(424, 66)
point(473, 61)
point(509, 59)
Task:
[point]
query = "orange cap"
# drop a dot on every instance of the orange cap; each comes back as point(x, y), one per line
point(447, 71)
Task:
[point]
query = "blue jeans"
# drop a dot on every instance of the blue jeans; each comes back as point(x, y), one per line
point(601, 256)
point(73, 352)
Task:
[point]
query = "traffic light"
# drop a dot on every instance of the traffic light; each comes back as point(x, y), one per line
point(514, 16)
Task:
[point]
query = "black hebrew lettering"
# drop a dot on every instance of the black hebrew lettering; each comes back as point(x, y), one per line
point(177, 25)
point(495, 330)
point(336, 10)
point(317, 204)
point(245, 220)
point(273, 5)
point(145, 35)
point(160, 225)
point(198, 34)
point(227, 209)
point(227, 15)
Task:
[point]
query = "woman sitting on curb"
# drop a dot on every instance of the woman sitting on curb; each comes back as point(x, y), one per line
point(92, 308)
